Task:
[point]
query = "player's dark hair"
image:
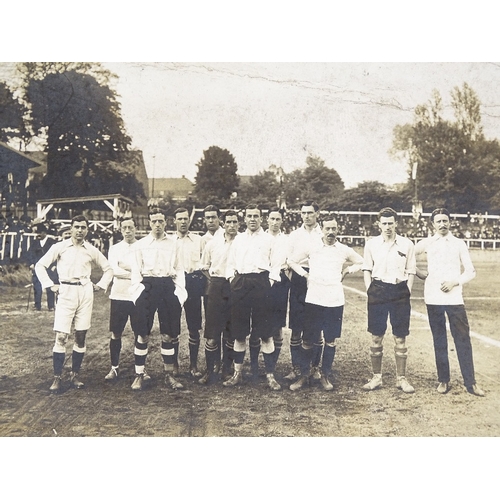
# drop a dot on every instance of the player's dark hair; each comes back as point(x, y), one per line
point(230, 213)
point(211, 208)
point(327, 218)
point(128, 218)
point(387, 212)
point(253, 206)
point(438, 211)
point(275, 209)
point(310, 203)
point(80, 218)
point(180, 210)
point(156, 211)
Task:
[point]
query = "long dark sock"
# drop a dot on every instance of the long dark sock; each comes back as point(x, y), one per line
point(328, 357)
point(295, 345)
point(167, 352)
point(306, 356)
point(278, 343)
point(211, 353)
point(228, 360)
point(58, 362)
point(76, 361)
point(115, 347)
point(269, 362)
point(194, 347)
point(317, 353)
point(239, 357)
point(254, 356)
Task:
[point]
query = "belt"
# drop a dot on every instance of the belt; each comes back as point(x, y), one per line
point(261, 273)
point(388, 282)
point(76, 283)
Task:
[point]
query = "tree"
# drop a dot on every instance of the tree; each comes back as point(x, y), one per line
point(11, 114)
point(217, 178)
point(263, 189)
point(467, 109)
point(315, 182)
point(77, 115)
point(371, 196)
point(456, 166)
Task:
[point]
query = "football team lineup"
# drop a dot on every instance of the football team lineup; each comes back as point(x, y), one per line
point(326, 369)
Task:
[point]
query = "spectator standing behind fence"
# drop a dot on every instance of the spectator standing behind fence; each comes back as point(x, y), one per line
point(444, 279)
point(74, 258)
point(121, 306)
point(39, 247)
point(389, 270)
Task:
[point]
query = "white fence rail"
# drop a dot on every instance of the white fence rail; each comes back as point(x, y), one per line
point(14, 246)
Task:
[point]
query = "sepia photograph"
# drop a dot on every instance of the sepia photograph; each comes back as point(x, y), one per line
point(141, 165)
point(245, 251)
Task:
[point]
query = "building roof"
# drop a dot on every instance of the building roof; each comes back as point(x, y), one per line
point(178, 187)
point(11, 158)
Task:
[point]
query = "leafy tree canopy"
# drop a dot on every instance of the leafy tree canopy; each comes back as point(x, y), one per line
point(315, 182)
point(263, 189)
point(455, 165)
point(75, 112)
point(11, 114)
point(371, 196)
point(217, 178)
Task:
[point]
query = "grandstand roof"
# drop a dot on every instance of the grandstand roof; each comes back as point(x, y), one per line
point(82, 199)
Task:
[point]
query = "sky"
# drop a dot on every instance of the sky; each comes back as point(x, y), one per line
point(279, 113)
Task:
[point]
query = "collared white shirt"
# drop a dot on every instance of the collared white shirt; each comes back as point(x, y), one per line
point(253, 253)
point(189, 251)
point(120, 257)
point(155, 258)
point(215, 254)
point(74, 263)
point(299, 242)
point(280, 248)
point(390, 261)
point(446, 256)
point(325, 262)
point(208, 236)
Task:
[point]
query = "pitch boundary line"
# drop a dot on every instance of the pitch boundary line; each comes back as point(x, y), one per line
point(416, 314)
